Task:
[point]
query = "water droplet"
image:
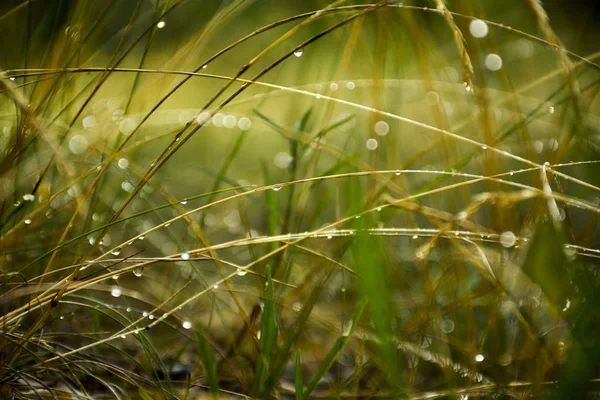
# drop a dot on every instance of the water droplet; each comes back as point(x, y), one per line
point(484, 147)
point(468, 88)
point(138, 271)
point(508, 239)
point(415, 236)
point(183, 202)
point(161, 24)
point(276, 188)
point(123, 336)
point(244, 123)
point(127, 186)
point(432, 98)
point(493, 62)
point(382, 128)
point(216, 286)
point(447, 325)
point(242, 273)
point(145, 314)
point(12, 78)
point(350, 85)
point(142, 237)
point(186, 325)
point(398, 172)
point(478, 28)
point(538, 146)
point(89, 122)
point(115, 292)
point(128, 309)
point(511, 173)
point(127, 126)
point(318, 96)
point(185, 256)
point(333, 86)
point(230, 121)
point(567, 305)
point(299, 52)
point(78, 144)
point(551, 110)
point(372, 144)
point(283, 160)
point(28, 197)
point(123, 163)
point(27, 221)
point(479, 357)
point(116, 251)
point(151, 316)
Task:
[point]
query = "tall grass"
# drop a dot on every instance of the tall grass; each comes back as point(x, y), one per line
point(298, 200)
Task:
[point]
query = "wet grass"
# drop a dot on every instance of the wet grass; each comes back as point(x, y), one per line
point(298, 200)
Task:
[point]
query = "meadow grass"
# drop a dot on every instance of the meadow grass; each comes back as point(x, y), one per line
point(316, 199)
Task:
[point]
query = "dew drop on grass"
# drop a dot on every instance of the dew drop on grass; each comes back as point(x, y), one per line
point(447, 326)
point(89, 122)
point(432, 98)
point(216, 286)
point(415, 237)
point(123, 163)
point(127, 126)
point(242, 273)
point(508, 239)
point(139, 271)
point(230, 121)
point(551, 110)
point(382, 128)
point(283, 160)
point(493, 62)
point(276, 188)
point(27, 221)
point(398, 172)
point(203, 118)
point(127, 186)
point(511, 173)
point(117, 115)
point(78, 144)
point(115, 292)
point(478, 28)
point(186, 325)
point(183, 202)
point(160, 24)
point(145, 314)
point(371, 144)
point(116, 251)
point(185, 256)
point(128, 309)
point(484, 147)
point(479, 358)
point(350, 85)
point(217, 119)
point(299, 52)
point(244, 123)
